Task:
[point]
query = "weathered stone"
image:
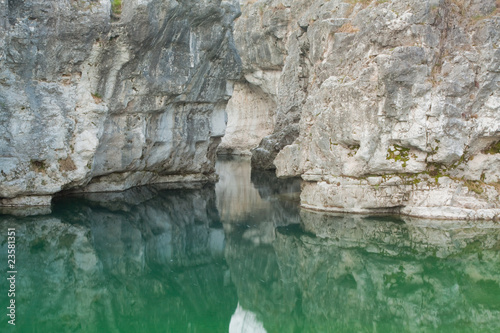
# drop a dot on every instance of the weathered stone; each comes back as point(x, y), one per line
point(383, 88)
point(114, 100)
point(262, 37)
point(250, 113)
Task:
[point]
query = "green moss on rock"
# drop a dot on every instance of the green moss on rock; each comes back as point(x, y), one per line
point(398, 153)
point(493, 148)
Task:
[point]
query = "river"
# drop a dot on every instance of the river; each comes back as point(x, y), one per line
point(241, 256)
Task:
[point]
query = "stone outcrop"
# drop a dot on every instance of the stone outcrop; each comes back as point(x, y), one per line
point(254, 109)
point(99, 98)
point(397, 102)
point(380, 106)
point(273, 72)
point(250, 115)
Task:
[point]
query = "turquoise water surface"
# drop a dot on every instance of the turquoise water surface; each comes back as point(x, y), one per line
point(241, 256)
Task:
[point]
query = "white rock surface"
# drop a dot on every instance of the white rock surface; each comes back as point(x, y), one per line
point(97, 101)
point(404, 90)
point(250, 113)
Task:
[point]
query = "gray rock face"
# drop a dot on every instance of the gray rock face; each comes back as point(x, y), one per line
point(396, 102)
point(386, 106)
point(99, 101)
point(275, 71)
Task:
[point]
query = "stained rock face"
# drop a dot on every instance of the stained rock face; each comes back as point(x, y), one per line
point(98, 99)
point(254, 109)
point(396, 102)
point(386, 106)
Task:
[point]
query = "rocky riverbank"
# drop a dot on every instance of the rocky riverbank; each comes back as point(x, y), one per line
point(382, 106)
point(379, 106)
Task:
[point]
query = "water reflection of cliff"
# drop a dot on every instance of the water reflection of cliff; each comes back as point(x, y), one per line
point(152, 260)
point(365, 274)
point(141, 261)
point(257, 199)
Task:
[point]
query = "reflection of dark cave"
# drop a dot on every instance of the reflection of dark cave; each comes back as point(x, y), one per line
point(294, 230)
point(384, 218)
point(38, 245)
point(347, 281)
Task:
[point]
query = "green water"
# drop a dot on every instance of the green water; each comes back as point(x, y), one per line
point(242, 257)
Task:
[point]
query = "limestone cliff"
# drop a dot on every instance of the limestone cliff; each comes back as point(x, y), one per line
point(273, 74)
point(101, 98)
point(397, 102)
point(380, 106)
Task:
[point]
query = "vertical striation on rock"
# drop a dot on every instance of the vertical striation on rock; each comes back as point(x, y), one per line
point(96, 99)
point(396, 103)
